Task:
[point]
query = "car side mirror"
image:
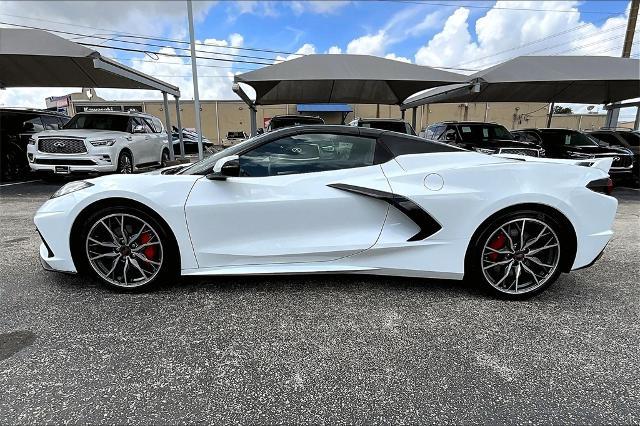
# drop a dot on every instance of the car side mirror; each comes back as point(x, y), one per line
point(450, 137)
point(138, 129)
point(225, 167)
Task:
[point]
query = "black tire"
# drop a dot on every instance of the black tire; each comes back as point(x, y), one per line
point(166, 252)
point(125, 163)
point(165, 158)
point(14, 163)
point(489, 233)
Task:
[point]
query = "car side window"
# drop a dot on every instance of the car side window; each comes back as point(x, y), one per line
point(449, 134)
point(606, 137)
point(33, 124)
point(51, 123)
point(308, 153)
point(136, 121)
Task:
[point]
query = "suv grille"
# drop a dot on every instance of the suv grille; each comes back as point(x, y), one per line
point(521, 151)
point(619, 160)
point(62, 146)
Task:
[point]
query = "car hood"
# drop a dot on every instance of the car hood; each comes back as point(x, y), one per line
point(82, 133)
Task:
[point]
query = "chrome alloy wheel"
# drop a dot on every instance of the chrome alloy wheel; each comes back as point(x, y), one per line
point(124, 250)
point(125, 166)
point(520, 256)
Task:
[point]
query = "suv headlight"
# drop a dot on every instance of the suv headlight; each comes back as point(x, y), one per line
point(103, 142)
point(71, 187)
point(486, 150)
point(32, 141)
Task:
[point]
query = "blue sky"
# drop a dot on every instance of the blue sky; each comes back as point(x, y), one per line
point(464, 34)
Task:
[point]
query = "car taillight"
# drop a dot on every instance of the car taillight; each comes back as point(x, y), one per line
point(604, 185)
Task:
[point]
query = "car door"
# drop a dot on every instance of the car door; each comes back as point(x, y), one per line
point(281, 209)
point(157, 137)
point(142, 143)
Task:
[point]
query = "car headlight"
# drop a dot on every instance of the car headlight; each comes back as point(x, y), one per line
point(579, 155)
point(71, 187)
point(32, 141)
point(485, 150)
point(103, 142)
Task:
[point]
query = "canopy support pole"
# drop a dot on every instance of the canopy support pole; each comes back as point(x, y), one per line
point(612, 116)
point(194, 73)
point(401, 113)
point(636, 123)
point(413, 117)
point(179, 127)
point(551, 107)
point(167, 120)
point(252, 107)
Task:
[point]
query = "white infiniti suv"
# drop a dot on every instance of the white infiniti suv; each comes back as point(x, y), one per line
point(100, 142)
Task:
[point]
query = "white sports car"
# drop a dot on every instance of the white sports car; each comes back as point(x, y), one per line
point(337, 199)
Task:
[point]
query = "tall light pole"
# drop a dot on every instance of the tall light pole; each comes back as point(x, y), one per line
point(194, 71)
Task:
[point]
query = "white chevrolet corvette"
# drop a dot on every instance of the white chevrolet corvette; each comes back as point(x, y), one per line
point(337, 199)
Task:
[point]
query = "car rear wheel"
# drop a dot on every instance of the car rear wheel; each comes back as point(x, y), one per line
point(165, 158)
point(518, 255)
point(125, 163)
point(127, 248)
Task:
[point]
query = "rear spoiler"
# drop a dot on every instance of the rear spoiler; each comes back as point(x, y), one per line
point(603, 163)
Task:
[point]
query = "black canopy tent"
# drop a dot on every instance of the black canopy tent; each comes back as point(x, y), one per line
point(34, 58)
point(574, 79)
point(339, 79)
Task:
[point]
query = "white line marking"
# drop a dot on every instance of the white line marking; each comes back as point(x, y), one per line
point(19, 183)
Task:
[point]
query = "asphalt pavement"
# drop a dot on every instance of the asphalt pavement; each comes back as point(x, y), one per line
point(315, 349)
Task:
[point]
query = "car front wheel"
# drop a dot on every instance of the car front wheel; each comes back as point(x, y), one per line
point(125, 163)
point(127, 248)
point(518, 255)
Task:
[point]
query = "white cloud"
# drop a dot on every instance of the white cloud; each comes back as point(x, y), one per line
point(140, 17)
point(319, 7)
point(500, 34)
point(334, 50)
point(395, 57)
point(306, 49)
point(368, 44)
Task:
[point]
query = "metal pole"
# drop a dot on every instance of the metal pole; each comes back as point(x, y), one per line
point(636, 124)
point(631, 28)
point(252, 117)
point(167, 120)
point(401, 114)
point(179, 127)
point(413, 117)
point(194, 71)
point(553, 104)
point(218, 123)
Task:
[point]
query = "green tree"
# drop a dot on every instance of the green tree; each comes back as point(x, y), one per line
point(562, 110)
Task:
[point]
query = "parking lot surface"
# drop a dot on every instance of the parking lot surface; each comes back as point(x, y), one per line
point(315, 348)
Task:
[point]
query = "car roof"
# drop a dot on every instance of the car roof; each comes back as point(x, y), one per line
point(126, 113)
point(467, 122)
point(33, 110)
point(295, 116)
point(380, 119)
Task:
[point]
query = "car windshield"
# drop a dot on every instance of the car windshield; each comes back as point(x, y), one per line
point(568, 138)
point(205, 166)
point(118, 123)
point(280, 122)
point(632, 138)
point(484, 132)
point(394, 126)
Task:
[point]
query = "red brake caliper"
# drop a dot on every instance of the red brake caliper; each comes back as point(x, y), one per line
point(497, 243)
point(149, 252)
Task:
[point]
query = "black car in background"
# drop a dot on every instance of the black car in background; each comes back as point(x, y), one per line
point(280, 121)
point(488, 138)
point(624, 138)
point(576, 145)
point(393, 124)
point(17, 125)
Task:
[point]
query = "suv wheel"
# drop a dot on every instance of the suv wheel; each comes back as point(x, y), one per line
point(165, 158)
point(125, 163)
